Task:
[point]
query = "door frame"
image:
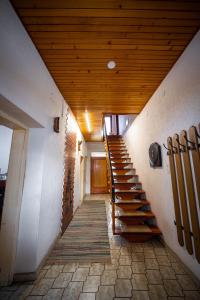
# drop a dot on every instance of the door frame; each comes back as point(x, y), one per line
point(12, 204)
point(91, 164)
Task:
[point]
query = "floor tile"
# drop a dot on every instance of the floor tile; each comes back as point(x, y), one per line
point(112, 266)
point(62, 280)
point(149, 253)
point(54, 271)
point(186, 283)
point(172, 287)
point(138, 267)
point(124, 272)
point(178, 268)
point(138, 256)
point(140, 295)
point(139, 282)
point(80, 274)
point(91, 284)
point(42, 287)
point(163, 260)
point(151, 263)
point(125, 260)
point(87, 296)
point(167, 272)
point(70, 267)
point(157, 292)
point(73, 291)
point(108, 277)
point(53, 294)
point(123, 288)
point(105, 293)
point(122, 298)
point(33, 298)
point(160, 251)
point(154, 277)
point(96, 269)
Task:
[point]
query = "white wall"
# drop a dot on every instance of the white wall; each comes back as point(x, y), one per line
point(174, 106)
point(26, 84)
point(91, 147)
point(5, 145)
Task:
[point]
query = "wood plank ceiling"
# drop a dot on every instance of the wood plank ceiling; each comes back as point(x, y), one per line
point(76, 39)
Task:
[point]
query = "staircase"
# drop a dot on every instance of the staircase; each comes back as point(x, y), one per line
point(131, 213)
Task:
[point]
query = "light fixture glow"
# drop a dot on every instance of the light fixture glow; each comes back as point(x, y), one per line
point(87, 121)
point(111, 64)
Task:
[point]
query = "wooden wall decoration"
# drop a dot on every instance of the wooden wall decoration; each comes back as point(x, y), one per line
point(184, 160)
point(69, 173)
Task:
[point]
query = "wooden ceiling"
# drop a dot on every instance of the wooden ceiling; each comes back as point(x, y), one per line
point(76, 39)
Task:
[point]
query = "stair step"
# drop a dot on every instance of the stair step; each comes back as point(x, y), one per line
point(123, 172)
point(124, 177)
point(128, 193)
point(121, 159)
point(116, 142)
point(132, 201)
point(117, 151)
point(120, 213)
point(130, 182)
point(122, 165)
point(137, 229)
point(134, 228)
point(113, 136)
point(131, 204)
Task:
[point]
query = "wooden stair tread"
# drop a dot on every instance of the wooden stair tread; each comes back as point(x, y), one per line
point(132, 201)
point(127, 182)
point(125, 163)
point(137, 213)
point(134, 228)
point(124, 169)
point(125, 175)
point(121, 158)
point(129, 191)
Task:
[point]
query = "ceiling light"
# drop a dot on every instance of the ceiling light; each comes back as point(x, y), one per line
point(87, 121)
point(111, 64)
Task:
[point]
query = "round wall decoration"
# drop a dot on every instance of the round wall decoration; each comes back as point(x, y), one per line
point(155, 155)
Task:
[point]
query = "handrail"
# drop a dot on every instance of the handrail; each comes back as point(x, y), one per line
point(109, 165)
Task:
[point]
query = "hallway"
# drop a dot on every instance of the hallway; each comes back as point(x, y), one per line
point(138, 271)
point(99, 96)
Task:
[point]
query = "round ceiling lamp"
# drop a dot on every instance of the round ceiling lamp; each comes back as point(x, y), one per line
point(111, 64)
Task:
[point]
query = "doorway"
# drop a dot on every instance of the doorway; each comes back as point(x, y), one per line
point(99, 183)
point(11, 205)
point(5, 146)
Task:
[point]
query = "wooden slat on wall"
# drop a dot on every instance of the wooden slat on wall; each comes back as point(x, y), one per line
point(76, 39)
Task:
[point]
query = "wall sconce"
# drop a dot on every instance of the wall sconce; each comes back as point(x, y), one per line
point(56, 124)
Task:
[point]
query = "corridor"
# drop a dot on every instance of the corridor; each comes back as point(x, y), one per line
point(138, 271)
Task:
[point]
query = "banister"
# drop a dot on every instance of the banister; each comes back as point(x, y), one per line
point(109, 164)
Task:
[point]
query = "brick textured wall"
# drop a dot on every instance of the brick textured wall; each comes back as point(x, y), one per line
point(69, 173)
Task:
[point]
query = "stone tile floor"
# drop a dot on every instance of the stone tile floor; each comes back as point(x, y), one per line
point(139, 271)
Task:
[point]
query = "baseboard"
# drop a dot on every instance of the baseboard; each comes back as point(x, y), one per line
point(193, 276)
point(31, 276)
